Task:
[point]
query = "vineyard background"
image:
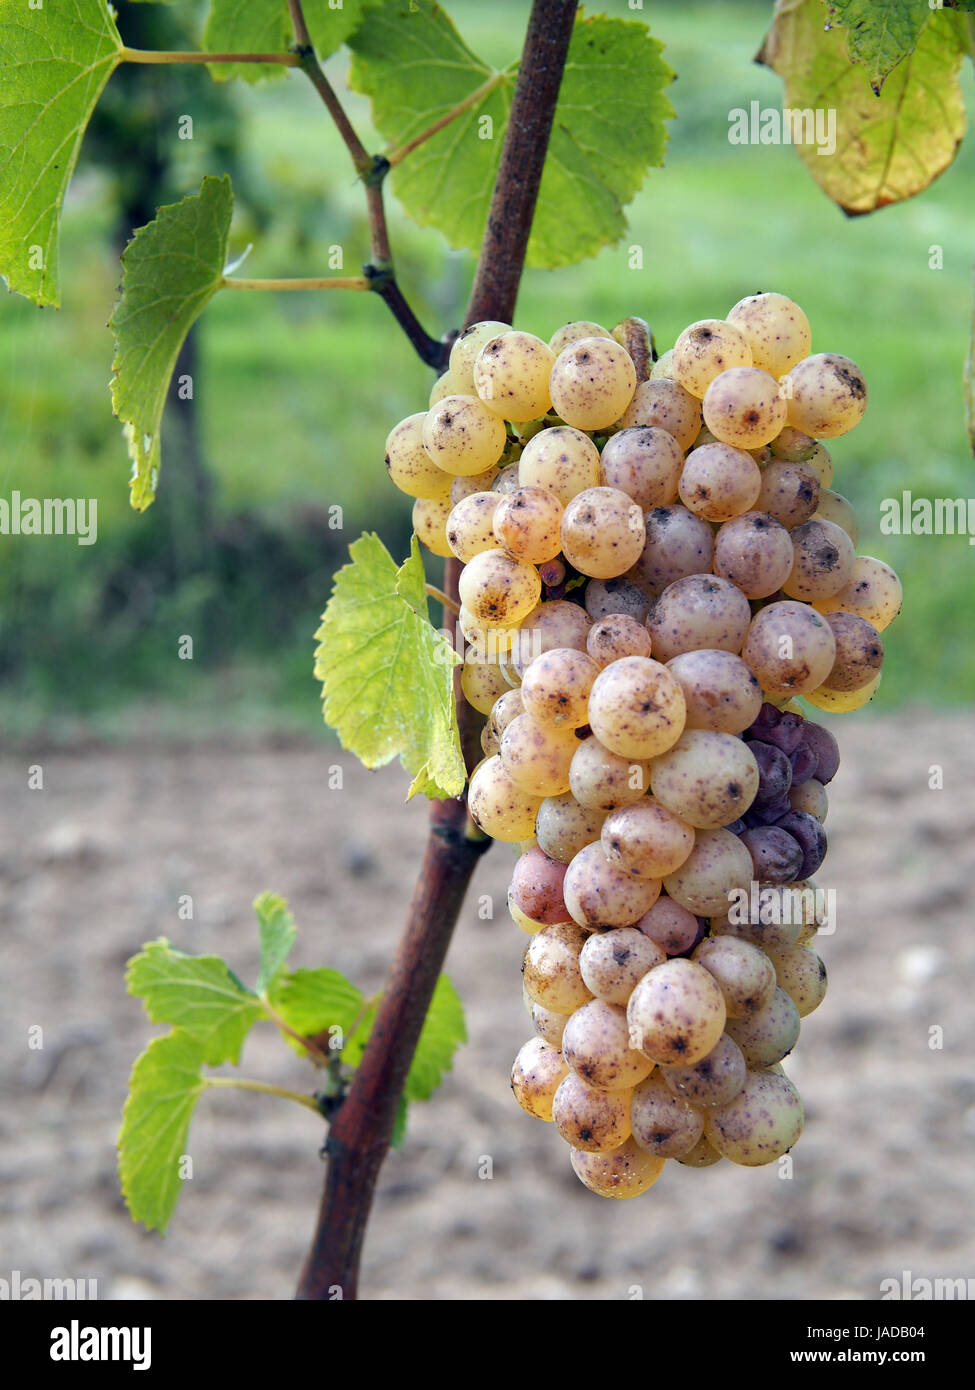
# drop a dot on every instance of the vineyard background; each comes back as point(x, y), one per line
point(149, 795)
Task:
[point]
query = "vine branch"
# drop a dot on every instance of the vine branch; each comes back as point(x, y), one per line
point(372, 169)
point(502, 257)
point(361, 1129)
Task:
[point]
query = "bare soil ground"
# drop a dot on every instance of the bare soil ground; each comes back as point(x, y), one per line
point(94, 864)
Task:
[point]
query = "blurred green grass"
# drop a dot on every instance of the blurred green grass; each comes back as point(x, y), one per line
point(297, 392)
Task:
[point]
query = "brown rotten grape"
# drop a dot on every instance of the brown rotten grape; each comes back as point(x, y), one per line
point(789, 649)
point(859, 652)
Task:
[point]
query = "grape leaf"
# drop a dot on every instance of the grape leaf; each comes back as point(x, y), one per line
point(171, 268)
point(356, 1045)
point(400, 1121)
point(888, 147)
point(312, 1001)
point(443, 1032)
point(262, 26)
point(278, 931)
point(386, 672)
point(55, 61)
point(199, 994)
point(164, 1087)
point(879, 36)
point(608, 129)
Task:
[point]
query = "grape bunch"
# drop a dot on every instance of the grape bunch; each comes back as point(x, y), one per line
point(655, 567)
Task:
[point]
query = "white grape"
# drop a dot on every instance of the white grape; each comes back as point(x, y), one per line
point(776, 330)
point(636, 708)
point(602, 532)
point(462, 436)
point(826, 395)
point(409, 465)
point(511, 375)
point(705, 349)
point(592, 383)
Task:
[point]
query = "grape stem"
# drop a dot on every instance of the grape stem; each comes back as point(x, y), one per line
point(241, 1083)
point(443, 599)
point(152, 55)
point(317, 1046)
point(349, 282)
point(360, 1132)
point(372, 170)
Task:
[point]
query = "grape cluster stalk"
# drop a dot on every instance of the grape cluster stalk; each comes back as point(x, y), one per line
point(655, 570)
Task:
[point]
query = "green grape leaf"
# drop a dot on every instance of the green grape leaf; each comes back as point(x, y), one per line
point(399, 1123)
point(165, 1084)
point(199, 994)
point(887, 147)
point(443, 1032)
point(608, 129)
point(386, 672)
point(313, 1001)
point(879, 36)
point(356, 1045)
point(171, 268)
point(278, 931)
point(263, 26)
point(444, 1029)
point(55, 61)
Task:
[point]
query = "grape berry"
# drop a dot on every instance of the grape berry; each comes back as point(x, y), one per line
point(655, 568)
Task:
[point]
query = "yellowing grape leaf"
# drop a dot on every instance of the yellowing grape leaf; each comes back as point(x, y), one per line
point(887, 147)
point(170, 269)
point(164, 1087)
point(263, 26)
point(55, 59)
point(879, 36)
point(386, 672)
point(608, 130)
point(199, 994)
